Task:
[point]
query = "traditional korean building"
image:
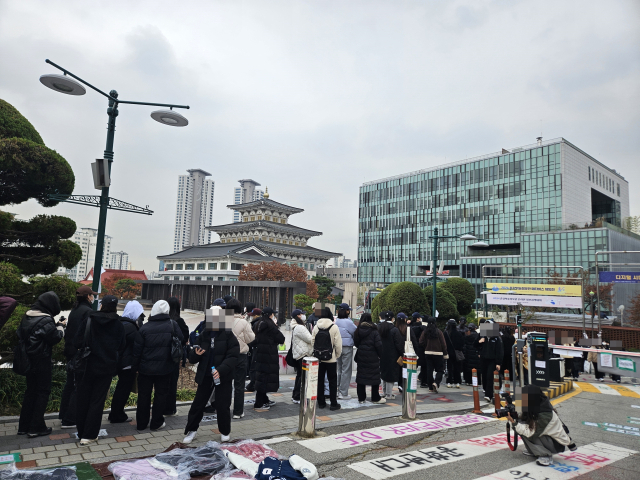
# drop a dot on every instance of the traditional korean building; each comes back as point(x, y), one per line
point(264, 234)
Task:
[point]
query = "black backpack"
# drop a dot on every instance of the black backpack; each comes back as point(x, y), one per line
point(322, 346)
point(21, 361)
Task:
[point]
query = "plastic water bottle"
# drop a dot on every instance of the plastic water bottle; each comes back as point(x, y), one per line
point(216, 381)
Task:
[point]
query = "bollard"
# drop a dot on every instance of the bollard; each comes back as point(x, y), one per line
point(496, 390)
point(476, 395)
point(308, 397)
point(507, 382)
point(409, 385)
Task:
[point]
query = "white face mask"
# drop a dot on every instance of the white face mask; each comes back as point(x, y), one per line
point(303, 317)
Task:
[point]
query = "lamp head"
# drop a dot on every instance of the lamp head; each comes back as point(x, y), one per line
point(480, 243)
point(169, 117)
point(468, 236)
point(62, 84)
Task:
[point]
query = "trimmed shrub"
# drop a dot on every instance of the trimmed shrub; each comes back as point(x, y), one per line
point(463, 292)
point(406, 297)
point(13, 124)
point(445, 304)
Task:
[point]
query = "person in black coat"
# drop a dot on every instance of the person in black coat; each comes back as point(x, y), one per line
point(471, 356)
point(268, 337)
point(455, 341)
point(174, 313)
point(79, 313)
point(369, 344)
point(489, 344)
point(217, 347)
point(392, 348)
point(507, 343)
point(152, 359)
point(252, 317)
point(39, 332)
point(106, 341)
point(415, 323)
point(126, 372)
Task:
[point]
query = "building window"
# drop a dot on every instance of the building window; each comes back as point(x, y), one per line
point(168, 267)
point(201, 266)
point(349, 276)
point(341, 275)
point(198, 278)
point(178, 266)
point(589, 172)
point(210, 278)
point(618, 189)
point(213, 266)
point(223, 266)
point(187, 278)
point(189, 266)
point(221, 279)
point(236, 266)
point(312, 266)
point(176, 278)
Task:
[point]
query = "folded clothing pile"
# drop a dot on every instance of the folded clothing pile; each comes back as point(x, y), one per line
point(254, 451)
point(146, 469)
point(64, 473)
point(272, 468)
point(206, 460)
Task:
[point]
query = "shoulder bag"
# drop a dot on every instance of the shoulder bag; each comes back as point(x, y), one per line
point(79, 361)
point(459, 353)
point(176, 344)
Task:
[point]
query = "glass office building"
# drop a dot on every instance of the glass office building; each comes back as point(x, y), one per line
point(544, 204)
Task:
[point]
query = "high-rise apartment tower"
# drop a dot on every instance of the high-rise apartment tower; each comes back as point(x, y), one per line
point(194, 209)
point(245, 193)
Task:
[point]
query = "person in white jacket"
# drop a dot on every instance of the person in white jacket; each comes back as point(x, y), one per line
point(540, 428)
point(242, 330)
point(301, 346)
point(327, 341)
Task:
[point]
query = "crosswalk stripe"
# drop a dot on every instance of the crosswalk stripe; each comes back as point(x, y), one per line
point(606, 389)
point(566, 465)
point(626, 391)
point(588, 387)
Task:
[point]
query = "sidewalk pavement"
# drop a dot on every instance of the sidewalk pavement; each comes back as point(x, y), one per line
point(124, 441)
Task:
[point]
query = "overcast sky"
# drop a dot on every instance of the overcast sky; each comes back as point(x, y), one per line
point(314, 98)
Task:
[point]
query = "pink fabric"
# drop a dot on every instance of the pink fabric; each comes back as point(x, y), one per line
point(137, 470)
point(252, 450)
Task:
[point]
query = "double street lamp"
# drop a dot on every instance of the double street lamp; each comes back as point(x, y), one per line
point(70, 84)
point(435, 237)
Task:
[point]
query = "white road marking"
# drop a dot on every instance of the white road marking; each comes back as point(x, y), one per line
point(373, 435)
point(606, 389)
point(399, 464)
point(566, 465)
point(271, 441)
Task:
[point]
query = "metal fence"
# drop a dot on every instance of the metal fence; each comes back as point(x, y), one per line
point(198, 295)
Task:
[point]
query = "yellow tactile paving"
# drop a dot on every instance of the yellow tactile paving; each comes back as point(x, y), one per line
point(621, 389)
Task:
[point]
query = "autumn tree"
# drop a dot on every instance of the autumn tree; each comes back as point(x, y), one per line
point(312, 289)
point(633, 312)
point(121, 286)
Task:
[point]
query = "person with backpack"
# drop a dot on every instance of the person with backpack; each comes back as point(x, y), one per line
point(153, 359)
point(369, 344)
point(301, 346)
point(344, 365)
point(242, 330)
point(268, 337)
point(455, 343)
point(471, 356)
point(392, 349)
point(435, 352)
point(327, 347)
point(37, 334)
point(103, 334)
point(171, 407)
point(79, 313)
point(216, 353)
point(126, 373)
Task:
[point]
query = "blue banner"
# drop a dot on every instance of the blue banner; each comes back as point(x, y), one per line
point(619, 277)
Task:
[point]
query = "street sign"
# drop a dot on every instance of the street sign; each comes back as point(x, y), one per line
point(619, 277)
point(536, 289)
point(535, 301)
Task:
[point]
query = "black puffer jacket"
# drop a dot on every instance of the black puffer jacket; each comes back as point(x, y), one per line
point(106, 341)
point(77, 316)
point(130, 333)
point(367, 339)
point(490, 349)
point(455, 341)
point(392, 348)
point(182, 325)
point(268, 337)
point(40, 334)
point(152, 346)
point(226, 350)
point(471, 354)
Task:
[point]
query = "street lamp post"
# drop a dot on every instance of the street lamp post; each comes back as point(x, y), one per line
point(591, 296)
point(435, 237)
point(70, 86)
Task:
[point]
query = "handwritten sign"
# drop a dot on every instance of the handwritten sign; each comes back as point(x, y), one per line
point(422, 459)
point(566, 465)
point(372, 435)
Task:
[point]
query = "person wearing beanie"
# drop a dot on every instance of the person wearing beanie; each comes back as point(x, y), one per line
point(392, 349)
point(152, 359)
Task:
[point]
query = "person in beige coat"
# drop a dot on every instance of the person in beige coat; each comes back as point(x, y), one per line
point(243, 332)
point(327, 347)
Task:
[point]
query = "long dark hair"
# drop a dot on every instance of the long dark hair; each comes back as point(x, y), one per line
point(432, 329)
point(401, 324)
point(174, 308)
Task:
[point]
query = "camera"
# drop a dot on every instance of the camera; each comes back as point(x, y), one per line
point(509, 408)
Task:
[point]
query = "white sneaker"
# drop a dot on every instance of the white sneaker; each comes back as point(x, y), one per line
point(545, 461)
point(457, 385)
point(390, 397)
point(238, 416)
point(164, 424)
point(295, 401)
point(225, 438)
point(189, 438)
point(362, 402)
point(382, 400)
point(340, 396)
point(345, 397)
point(448, 385)
point(88, 441)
